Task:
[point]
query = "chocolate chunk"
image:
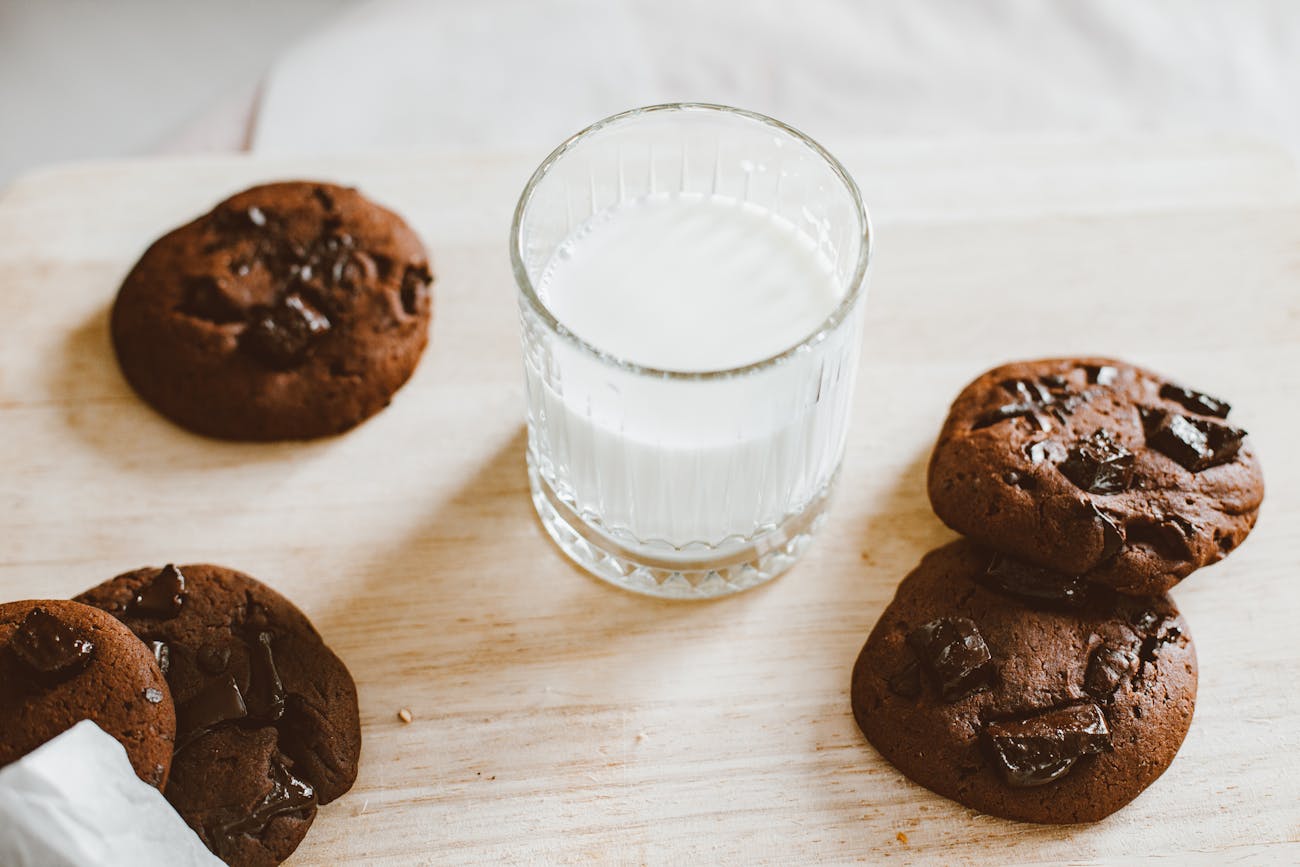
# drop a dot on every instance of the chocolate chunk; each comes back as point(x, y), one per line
point(1028, 391)
point(162, 597)
point(1156, 631)
point(162, 654)
point(1100, 374)
point(384, 266)
point(954, 654)
point(153, 695)
point(1107, 667)
point(282, 336)
point(50, 649)
point(331, 260)
point(1098, 464)
point(1171, 536)
point(1180, 534)
point(1009, 411)
point(218, 702)
point(213, 658)
point(1034, 399)
point(1043, 450)
point(322, 196)
point(1186, 527)
point(1036, 585)
point(1195, 401)
point(1195, 443)
point(1038, 749)
point(1071, 402)
point(1148, 621)
point(261, 226)
point(1018, 480)
point(352, 270)
point(1112, 537)
point(204, 300)
point(288, 795)
point(335, 260)
point(416, 280)
point(906, 681)
point(266, 694)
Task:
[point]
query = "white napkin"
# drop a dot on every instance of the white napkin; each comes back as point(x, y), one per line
point(440, 75)
point(76, 801)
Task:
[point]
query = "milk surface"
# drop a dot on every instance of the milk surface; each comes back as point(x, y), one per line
point(689, 282)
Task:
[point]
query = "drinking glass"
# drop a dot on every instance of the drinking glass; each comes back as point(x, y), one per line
point(688, 484)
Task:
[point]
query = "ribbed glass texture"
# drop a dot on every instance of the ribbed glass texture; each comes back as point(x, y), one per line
point(678, 483)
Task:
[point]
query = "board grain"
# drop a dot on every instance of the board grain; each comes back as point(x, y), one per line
point(558, 720)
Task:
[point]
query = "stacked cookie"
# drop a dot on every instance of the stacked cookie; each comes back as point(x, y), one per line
point(221, 691)
point(1037, 670)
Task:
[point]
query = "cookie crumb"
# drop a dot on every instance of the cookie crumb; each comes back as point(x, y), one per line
point(902, 837)
point(405, 715)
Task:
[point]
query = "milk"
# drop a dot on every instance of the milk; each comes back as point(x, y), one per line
point(688, 282)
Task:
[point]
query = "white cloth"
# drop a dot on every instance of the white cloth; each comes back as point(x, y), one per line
point(76, 802)
point(502, 74)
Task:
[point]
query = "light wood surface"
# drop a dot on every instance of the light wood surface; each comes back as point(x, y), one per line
point(558, 720)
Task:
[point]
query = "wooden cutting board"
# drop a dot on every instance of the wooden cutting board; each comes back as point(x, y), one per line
point(558, 720)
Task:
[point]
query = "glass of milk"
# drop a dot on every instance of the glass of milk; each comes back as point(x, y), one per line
point(691, 283)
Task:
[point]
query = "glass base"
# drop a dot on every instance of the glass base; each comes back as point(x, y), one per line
point(697, 575)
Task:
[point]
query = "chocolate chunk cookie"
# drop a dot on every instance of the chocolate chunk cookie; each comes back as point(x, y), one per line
point(290, 311)
point(1021, 694)
point(1097, 468)
point(259, 812)
point(267, 720)
point(61, 663)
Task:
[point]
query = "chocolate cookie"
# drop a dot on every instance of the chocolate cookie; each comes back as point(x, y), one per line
point(1097, 468)
point(267, 720)
point(290, 311)
point(1044, 705)
point(259, 811)
point(61, 663)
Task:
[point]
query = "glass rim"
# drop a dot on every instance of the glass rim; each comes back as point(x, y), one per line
point(824, 328)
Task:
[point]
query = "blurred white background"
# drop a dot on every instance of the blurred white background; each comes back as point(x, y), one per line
point(100, 78)
point(81, 79)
